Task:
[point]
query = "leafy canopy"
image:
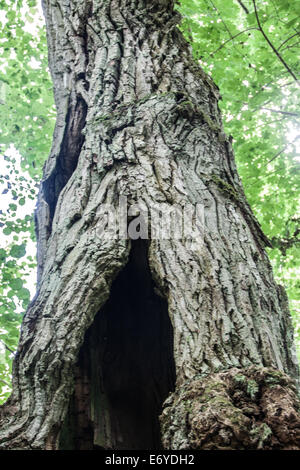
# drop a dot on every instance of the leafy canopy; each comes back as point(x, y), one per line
point(249, 47)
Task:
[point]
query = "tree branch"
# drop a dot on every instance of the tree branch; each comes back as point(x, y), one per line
point(272, 46)
point(283, 244)
point(291, 46)
point(285, 113)
point(268, 173)
point(265, 124)
point(5, 383)
point(243, 7)
point(282, 150)
point(225, 25)
point(231, 39)
point(6, 347)
point(288, 39)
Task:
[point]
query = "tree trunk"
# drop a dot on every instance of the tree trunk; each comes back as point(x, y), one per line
point(121, 325)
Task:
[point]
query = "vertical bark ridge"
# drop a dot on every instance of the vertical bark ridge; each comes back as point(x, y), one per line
point(153, 134)
point(90, 72)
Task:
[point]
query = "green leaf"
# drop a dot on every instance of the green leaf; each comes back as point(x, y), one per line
point(16, 284)
point(2, 255)
point(13, 207)
point(24, 294)
point(18, 251)
point(7, 231)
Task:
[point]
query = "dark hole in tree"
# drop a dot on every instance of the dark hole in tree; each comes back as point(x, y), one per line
point(68, 157)
point(125, 369)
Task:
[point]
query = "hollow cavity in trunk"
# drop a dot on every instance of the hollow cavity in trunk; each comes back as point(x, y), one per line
point(125, 368)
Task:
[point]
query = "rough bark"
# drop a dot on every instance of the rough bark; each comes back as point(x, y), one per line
point(253, 409)
point(137, 117)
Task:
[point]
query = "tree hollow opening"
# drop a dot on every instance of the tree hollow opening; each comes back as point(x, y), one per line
point(125, 368)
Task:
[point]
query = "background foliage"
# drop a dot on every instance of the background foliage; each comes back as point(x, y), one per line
point(251, 50)
point(27, 117)
point(249, 47)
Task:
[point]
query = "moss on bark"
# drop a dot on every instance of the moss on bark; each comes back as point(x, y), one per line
point(256, 408)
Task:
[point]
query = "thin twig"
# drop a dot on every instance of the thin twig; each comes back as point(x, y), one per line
point(263, 88)
point(288, 39)
point(6, 347)
point(232, 38)
point(5, 383)
point(265, 124)
point(267, 174)
point(277, 154)
point(286, 113)
point(243, 7)
point(272, 46)
point(225, 25)
point(284, 148)
point(291, 46)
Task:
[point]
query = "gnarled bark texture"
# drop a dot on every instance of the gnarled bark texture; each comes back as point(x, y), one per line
point(117, 325)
